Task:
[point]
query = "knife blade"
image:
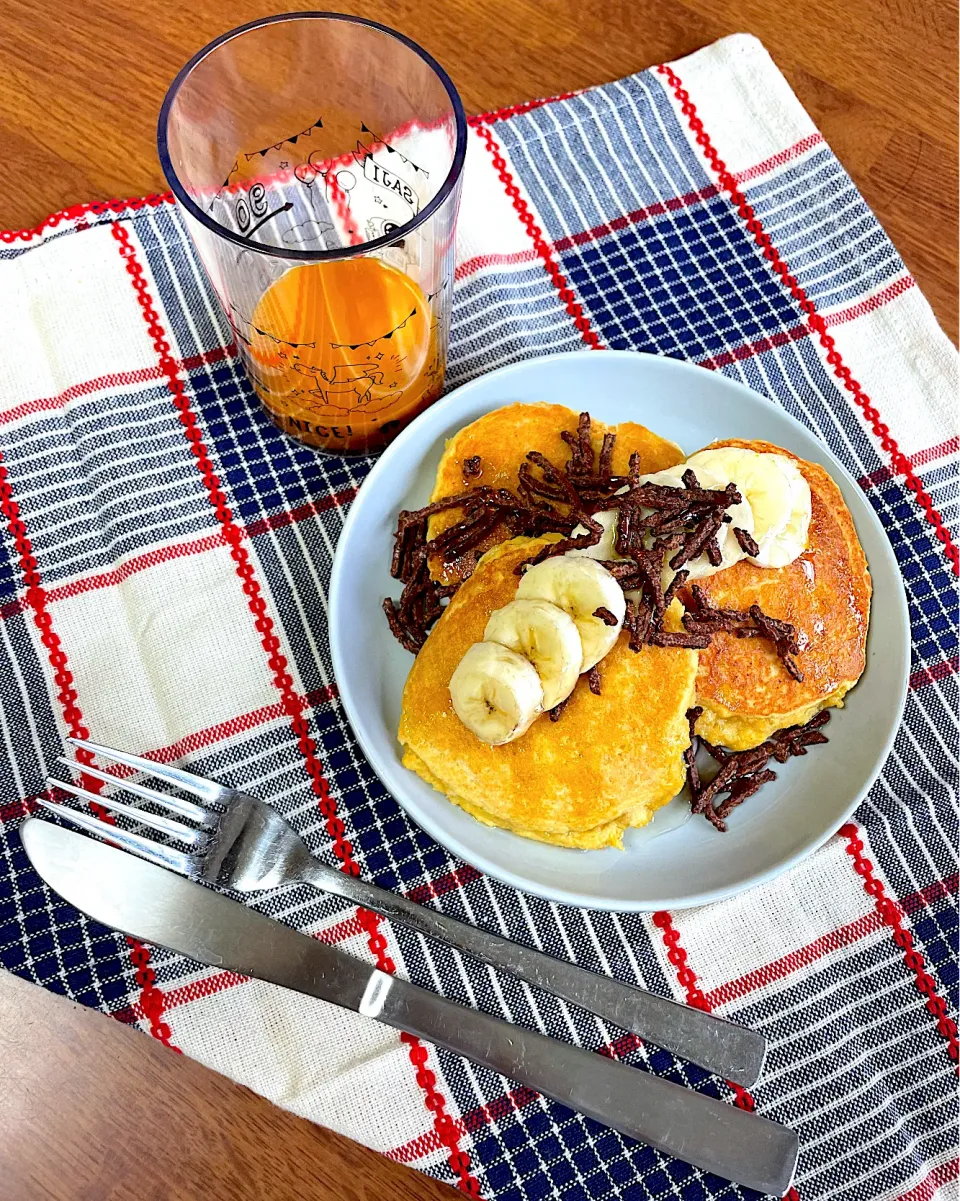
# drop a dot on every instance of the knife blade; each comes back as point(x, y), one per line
point(159, 907)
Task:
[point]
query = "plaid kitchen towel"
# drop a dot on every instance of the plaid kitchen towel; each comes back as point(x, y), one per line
point(163, 566)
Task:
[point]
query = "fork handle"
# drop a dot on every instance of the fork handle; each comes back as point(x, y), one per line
point(732, 1051)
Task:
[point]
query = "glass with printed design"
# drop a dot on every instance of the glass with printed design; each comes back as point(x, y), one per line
point(317, 161)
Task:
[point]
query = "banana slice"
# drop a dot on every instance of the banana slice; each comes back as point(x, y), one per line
point(741, 517)
point(546, 636)
point(769, 483)
point(605, 548)
point(496, 693)
point(791, 542)
point(579, 586)
point(759, 479)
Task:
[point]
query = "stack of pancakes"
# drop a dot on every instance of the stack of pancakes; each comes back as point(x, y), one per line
point(614, 759)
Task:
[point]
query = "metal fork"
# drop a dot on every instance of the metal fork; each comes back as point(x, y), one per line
point(237, 841)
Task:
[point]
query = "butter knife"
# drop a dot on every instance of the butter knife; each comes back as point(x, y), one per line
point(157, 906)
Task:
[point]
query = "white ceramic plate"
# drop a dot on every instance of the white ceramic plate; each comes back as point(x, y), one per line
point(690, 864)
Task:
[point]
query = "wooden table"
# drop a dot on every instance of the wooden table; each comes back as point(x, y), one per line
point(79, 96)
point(89, 1109)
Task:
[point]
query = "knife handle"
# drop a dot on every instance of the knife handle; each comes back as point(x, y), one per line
point(733, 1052)
point(717, 1137)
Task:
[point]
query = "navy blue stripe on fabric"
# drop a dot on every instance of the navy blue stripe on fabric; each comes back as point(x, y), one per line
point(42, 939)
point(575, 177)
point(544, 1150)
point(296, 559)
point(913, 803)
point(192, 313)
point(936, 931)
point(671, 286)
point(870, 1055)
point(824, 230)
point(932, 597)
point(102, 479)
point(943, 486)
point(796, 378)
point(264, 471)
point(46, 941)
point(27, 721)
point(9, 572)
point(500, 316)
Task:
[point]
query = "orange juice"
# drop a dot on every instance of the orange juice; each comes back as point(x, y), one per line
point(344, 353)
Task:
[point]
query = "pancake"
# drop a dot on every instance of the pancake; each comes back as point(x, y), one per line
point(503, 438)
point(745, 690)
point(610, 761)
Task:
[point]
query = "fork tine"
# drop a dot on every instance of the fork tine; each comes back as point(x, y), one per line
point(144, 847)
point(175, 804)
point(173, 775)
point(188, 834)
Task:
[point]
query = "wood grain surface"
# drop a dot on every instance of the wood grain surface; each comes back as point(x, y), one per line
point(93, 1111)
point(79, 97)
point(89, 1109)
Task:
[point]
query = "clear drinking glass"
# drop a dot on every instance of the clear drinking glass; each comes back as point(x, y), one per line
point(317, 160)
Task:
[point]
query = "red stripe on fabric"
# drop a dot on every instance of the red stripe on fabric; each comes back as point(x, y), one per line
point(179, 550)
point(778, 159)
point(209, 986)
point(350, 927)
point(919, 459)
point(899, 462)
point(929, 675)
point(448, 883)
point(278, 521)
point(845, 936)
point(292, 704)
point(500, 1107)
point(928, 1187)
point(515, 110)
point(891, 916)
point(928, 896)
point(150, 1001)
point(76, 211)
point(118, 379)
point(559, 280)
point(471, 266)
point(42, 404)
point(475, 1119)
point(642, 214)
point(190, 743)
point(922, 457)
point(687, 979)
point(621, 1046)
point(235, 725)
point(138, 563)
point(747, 351)
point(876, 301)
point(14, 809)
point(217, 355)
point(834, 940)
